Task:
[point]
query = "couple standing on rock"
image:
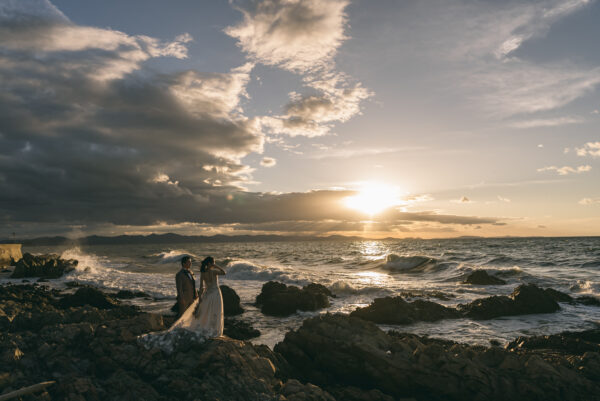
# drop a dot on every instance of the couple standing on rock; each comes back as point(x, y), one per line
point(201, 312)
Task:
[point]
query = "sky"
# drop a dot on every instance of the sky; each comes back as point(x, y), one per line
point(429, 118)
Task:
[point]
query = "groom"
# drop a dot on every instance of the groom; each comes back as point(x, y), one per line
point(186, 285)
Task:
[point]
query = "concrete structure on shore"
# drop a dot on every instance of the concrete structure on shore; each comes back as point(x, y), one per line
point(8, 251)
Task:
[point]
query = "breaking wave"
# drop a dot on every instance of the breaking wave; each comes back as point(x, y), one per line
point(395, 263)
point(244, 270)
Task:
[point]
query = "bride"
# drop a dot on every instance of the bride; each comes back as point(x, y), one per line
point(205, 315)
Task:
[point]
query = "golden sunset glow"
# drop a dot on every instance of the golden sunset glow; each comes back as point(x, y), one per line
point(374, 198)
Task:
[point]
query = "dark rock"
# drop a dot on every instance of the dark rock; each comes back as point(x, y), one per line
point(278, 299)
point(231, 301)
point(481, 277)
point(572, 343)
point(427, 294)
point(588, 300)
point(88, 296)
point(239, 330)
point(558, 296)
point(525, 299)
point(126, 294)
point(46, 266)
point(352, 358)
point(395, 310)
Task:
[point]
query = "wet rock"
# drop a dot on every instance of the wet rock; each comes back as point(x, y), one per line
point(481, 277)
point(588, 300)
point(278, 299)
point(349, 356)
point(558, 296)
point(427, 294)
point(126, 294)
point(45, 266)
point(239, 330)
point(525, 299)
point(88, 296)
point(572, 343)
point(395, 310)
point(231, 301)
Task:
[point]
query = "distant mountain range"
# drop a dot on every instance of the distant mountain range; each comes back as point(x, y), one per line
point(176, 238)
point(172, 238)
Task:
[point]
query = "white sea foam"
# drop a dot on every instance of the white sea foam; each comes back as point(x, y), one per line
point(86, 262)
point(173, 256)
point(587, 287)
point(347, 288)
point(100, 271)
point(245, 270)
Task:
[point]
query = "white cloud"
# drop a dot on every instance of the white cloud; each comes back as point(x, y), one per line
point(516, 87)
point(215, 94)
point(268, 162)
point(302, 36)
point(503, 199)
point(589, 149)
point(478, 41)
point(346, 153)
point(589, 201)
point(566, 170)
point(549, 122)
point(297, 35)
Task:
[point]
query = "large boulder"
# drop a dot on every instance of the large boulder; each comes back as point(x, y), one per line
point(88, 296)
point(525, 299)
point(395, 310)
point(46, 266)
point(278, 299)
point(239, 330)
point(339, 353)
point(231, 301)
point(481, 277)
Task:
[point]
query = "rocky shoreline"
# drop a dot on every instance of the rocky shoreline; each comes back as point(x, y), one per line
point(87, 343)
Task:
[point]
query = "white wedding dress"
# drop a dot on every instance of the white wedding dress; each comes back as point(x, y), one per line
point(202, 320)
point(205, 315)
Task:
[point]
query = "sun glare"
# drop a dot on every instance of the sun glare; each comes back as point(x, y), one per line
point(374, 198)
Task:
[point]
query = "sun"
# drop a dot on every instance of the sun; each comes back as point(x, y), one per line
point(373, 198)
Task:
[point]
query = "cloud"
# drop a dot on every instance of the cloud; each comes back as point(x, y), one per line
point(341, 153)
point(503, 199)
point(302, 36)
point(268, 162)
point(550, 122)
point(90, 136)
point(566, 170)
point(589, 149)
point(589, 201)
point(296, 35)
point(463, 199)
point(517, 87)
point(314, 115)
point(479, 45)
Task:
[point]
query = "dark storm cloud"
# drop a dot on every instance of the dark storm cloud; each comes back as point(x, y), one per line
point(88, 138)
point(87, 135)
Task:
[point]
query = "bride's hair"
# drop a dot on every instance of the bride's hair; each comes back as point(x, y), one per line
point(209, 260)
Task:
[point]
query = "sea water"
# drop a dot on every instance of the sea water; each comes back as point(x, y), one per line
point(360, 271)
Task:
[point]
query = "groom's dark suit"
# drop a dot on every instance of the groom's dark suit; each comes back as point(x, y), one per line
point(186, 289)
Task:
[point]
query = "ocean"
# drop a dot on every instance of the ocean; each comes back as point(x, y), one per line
point(360, 271)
